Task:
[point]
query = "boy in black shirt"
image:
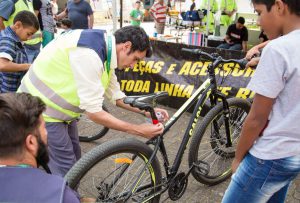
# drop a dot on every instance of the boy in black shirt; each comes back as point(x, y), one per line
point(236, 36)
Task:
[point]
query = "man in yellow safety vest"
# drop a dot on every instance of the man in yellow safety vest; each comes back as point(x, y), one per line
point(72, 74)
point(228, 8)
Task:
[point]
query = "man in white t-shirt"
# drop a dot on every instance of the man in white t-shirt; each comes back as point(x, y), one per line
point(268, 153)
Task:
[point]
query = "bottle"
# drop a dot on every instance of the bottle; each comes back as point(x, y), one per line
point(159, 116)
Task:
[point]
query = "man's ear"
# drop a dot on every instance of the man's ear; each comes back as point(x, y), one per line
point(280, 7)
point(31, 144)
point(127, 45)
point(18, 25)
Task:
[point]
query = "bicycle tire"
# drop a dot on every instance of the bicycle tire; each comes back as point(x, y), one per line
point(90, 131)
point(208, 148)
point(88, 180)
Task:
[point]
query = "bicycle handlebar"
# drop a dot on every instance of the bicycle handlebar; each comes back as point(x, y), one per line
point(242, 62)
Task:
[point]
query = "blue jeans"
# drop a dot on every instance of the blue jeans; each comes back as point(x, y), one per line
point(259, 181)
point(230, 46)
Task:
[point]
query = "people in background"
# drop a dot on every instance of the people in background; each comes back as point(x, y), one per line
point(80, 13)
point(228, 9)
point(8, 10)
point(13, 57)
point(159, 13)
point(43, 9)
point(23, 148)
point(136, 15)
point(262, 37)
point(66, 25)
point(72, 74)
point(267, 158)
point(236, 36)
point(209, 17)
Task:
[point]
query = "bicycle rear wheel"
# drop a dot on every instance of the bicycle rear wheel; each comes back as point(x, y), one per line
point(112, 171)
point(208, 148)
point(89, 130)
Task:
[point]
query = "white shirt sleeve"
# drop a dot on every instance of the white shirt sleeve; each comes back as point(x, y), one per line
point(113, 92)
point(270, 76)
point(88, 68)
point(6, 56)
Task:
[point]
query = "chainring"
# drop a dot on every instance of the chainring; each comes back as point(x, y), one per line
point(177, 186)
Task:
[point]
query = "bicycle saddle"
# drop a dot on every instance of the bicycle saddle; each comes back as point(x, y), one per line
point(144, 102)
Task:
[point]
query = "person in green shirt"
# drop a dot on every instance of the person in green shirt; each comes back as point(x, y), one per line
point(136, 15)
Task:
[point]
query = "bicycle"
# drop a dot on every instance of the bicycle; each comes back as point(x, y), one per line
point(128, 170)
point(89, 130)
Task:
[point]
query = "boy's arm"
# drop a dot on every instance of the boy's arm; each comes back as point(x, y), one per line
point(253, 126)
point(244, 45)
point(62, 15)
point(2, 27)
point(9, 66)
point(91, 21)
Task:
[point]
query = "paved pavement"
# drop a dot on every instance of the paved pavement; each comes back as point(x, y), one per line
point(195, 191)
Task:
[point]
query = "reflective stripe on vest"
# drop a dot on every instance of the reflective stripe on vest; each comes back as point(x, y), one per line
point(49, 93)
point(51, 76)
point(20, 5)
point(51, 112)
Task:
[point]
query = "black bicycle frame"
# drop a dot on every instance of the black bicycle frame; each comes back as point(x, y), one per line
point(207, 90)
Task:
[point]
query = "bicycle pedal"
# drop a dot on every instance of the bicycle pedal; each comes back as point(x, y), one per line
point(202, 167)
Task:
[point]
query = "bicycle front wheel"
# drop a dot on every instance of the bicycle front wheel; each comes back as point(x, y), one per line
point(89, 130)
point(208, 149)
point(117, 171)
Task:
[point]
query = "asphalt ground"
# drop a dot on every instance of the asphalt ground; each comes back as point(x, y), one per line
point(195, 192)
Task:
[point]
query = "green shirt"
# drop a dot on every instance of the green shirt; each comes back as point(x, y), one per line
point(135, 14)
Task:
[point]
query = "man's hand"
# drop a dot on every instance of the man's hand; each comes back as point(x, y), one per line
point(164, 113)
point(235, 164)
point(148, 130)
point(253, 62)
point(252, 52)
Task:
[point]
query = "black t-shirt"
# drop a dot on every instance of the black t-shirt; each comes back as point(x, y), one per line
point(262, 35)
point(237, 36)
point(37, 4)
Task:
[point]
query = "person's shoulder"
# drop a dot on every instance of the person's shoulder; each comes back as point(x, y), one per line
point(285, 40)
point(232, 26)
point(7, 35)
point(7, 2)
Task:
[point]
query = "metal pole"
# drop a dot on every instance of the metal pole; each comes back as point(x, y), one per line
point(207, 22)
point(121, 13)
point(114, 14)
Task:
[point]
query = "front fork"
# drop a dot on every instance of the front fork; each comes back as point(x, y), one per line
point(226, 114)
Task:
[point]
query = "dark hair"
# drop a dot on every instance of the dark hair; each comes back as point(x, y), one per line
point(137, 2)
point(293, 5)
point(67, 22)
point(137, 36)
point(19, 116)
point(28, 19)
point(241, 20)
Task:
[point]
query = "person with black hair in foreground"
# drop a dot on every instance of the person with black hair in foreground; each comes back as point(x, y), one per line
point(23, 148)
